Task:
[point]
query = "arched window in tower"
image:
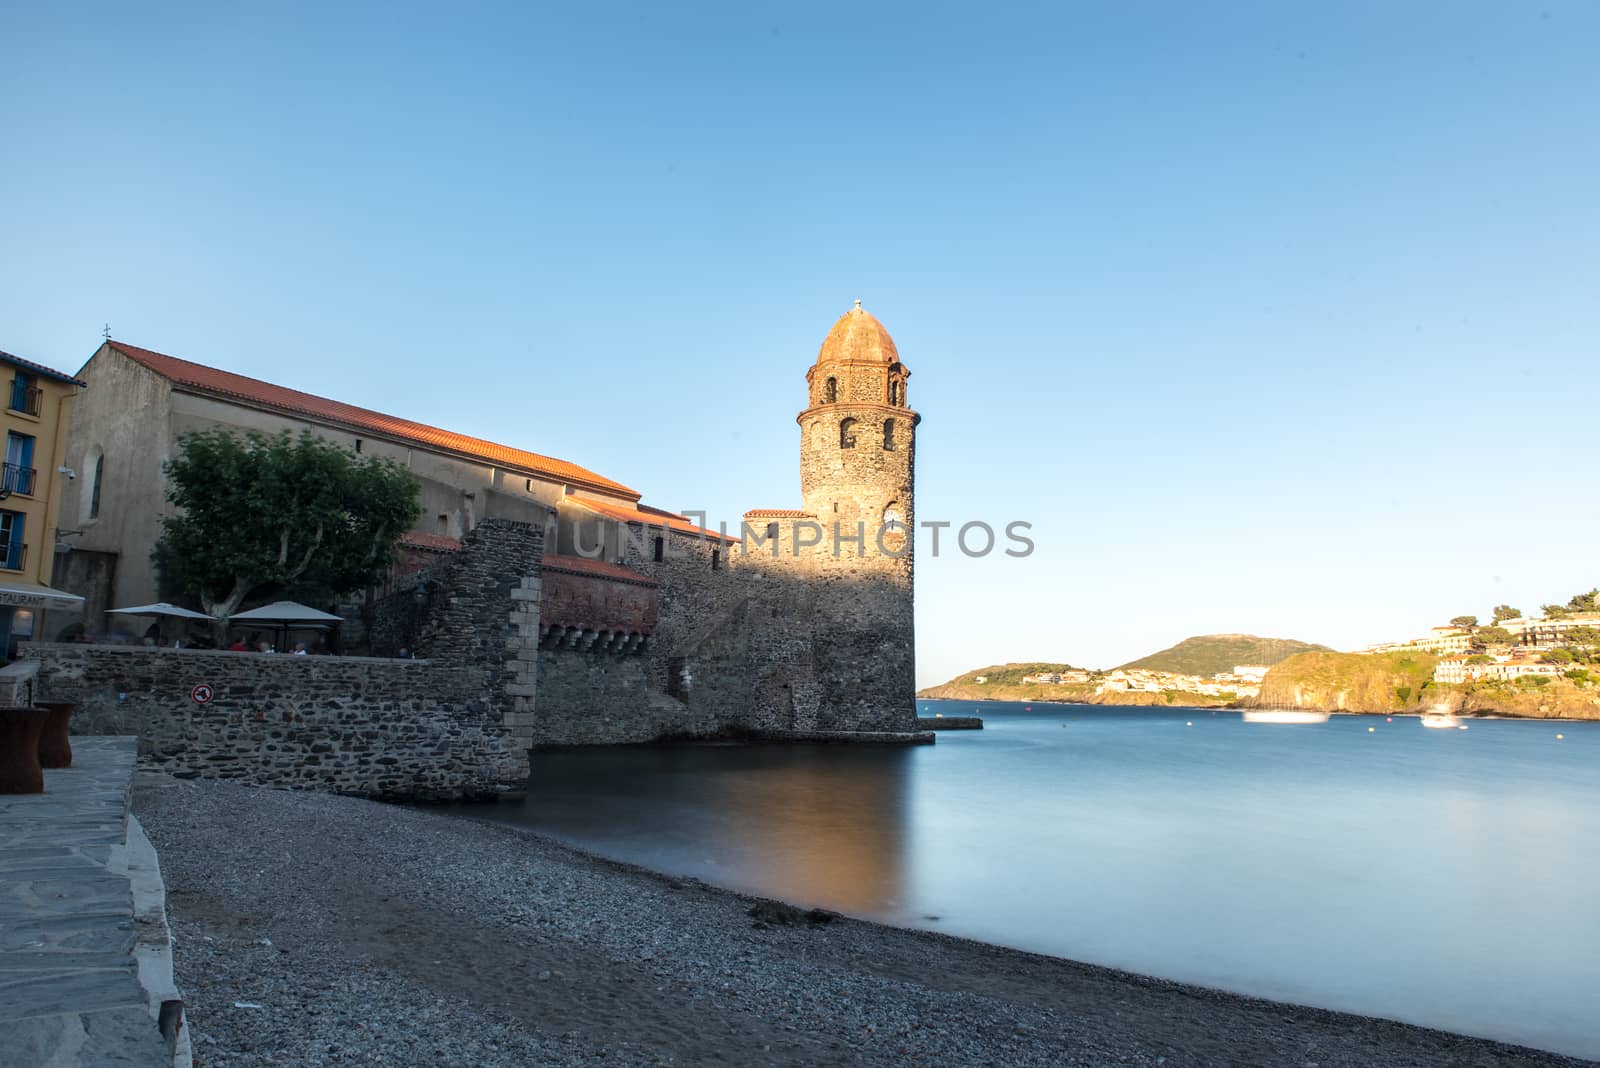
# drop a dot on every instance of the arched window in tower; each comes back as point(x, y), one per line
point(892, 533)
point(847, 433)
point(894, 392)
point(888, 435)
point(830, 391)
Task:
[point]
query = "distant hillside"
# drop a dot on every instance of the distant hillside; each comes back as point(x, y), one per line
point(1403, 682)
point(1006, 674)
point(1003, 682)
point(1349, 682)
point(1209, 654)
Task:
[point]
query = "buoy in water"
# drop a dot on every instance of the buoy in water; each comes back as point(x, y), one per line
point(1389, 720)
point(1371, 729)
point(1189, 724)
point(1462, 727)
point(1027, 708)
point(1560, 736)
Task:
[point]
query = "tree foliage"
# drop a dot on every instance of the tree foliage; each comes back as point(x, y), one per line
point(1503, 612)
point(1464, 622)
point(1589, 636)
point(1492, 636)
point(264, 511)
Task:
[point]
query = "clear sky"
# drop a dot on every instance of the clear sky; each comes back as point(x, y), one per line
point(1269, 317)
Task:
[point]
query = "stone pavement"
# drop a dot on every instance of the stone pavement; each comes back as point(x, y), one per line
point(84, 961)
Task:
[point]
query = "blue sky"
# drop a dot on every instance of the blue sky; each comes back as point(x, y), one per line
point(1269, 317)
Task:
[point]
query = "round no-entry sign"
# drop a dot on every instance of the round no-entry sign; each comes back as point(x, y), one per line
point(201, 694)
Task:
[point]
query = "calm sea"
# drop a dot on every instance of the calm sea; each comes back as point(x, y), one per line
point(1444, 877)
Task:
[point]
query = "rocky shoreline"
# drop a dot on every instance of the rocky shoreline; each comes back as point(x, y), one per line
point(1464, 708)
point(320, 930)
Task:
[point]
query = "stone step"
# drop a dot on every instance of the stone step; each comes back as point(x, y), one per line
point(85, 953)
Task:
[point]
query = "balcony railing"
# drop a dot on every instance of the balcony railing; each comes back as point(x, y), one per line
point(24, 398)
point(13, 557)
point(14, 478)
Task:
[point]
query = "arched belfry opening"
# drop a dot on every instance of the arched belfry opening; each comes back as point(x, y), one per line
point(830, 391)
point(847, 433)
point(888, 435)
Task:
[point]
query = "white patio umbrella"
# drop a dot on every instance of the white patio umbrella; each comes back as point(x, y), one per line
point(285, 616)
point(285, 612)
point(160, 608)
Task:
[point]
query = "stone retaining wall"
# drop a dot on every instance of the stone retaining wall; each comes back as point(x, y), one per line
point(374, 728)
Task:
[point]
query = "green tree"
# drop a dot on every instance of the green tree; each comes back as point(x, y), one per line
point(1464, 622)
point(260, 511)
point(1554, 611)
point(1492, 636)
point(1584, 636)
point(1503, 612)
point(1563, 655)
point(1585, 602)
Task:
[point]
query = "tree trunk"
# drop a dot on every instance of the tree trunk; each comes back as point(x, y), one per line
point(221, 611)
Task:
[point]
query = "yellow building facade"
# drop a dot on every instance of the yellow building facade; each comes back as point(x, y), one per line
point(37, 414)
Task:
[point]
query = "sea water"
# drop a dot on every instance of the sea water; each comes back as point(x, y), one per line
point(1444, 877)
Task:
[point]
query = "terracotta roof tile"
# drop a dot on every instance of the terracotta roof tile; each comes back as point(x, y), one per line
point(645, 514)
point(210, 380)
point(858, 336)
point(778, 513)
point(585, 566)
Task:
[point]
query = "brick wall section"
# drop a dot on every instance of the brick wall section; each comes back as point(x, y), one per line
point(596, 596)
point(394, 729)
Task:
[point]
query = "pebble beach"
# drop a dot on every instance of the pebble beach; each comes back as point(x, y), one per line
point(320, 930)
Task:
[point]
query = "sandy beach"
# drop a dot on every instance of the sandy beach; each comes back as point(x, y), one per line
point(321, 930)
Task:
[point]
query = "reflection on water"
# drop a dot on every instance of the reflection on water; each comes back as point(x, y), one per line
point(816, 825)
point(1441, 877)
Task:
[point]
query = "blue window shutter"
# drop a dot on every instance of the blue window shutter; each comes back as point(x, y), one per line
point(14, 548)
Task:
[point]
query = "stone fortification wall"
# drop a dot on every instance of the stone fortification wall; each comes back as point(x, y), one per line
point(458, 725)
point(808, 643)
point(353, 725)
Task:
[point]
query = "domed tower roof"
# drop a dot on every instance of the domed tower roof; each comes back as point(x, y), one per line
point(857, 336)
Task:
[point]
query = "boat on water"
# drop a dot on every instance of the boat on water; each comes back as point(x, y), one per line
point(1284, 715)
point(1440, 720)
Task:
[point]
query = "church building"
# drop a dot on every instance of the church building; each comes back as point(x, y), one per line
point(650, 625)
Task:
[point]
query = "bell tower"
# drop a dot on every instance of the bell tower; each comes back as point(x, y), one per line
point(858, 444)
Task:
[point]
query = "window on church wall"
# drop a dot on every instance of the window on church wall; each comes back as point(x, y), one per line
point(847, 433)
point(830, 391)
point(94, 486)
point(893, 531)
point(660, 549)
point(888, 435)
point(94, 466)
point(894, 393)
